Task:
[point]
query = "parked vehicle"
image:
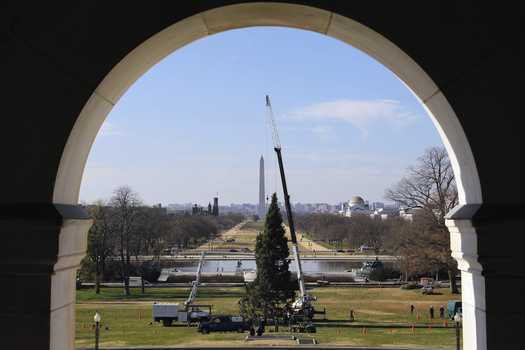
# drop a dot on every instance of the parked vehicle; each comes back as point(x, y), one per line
point(428, 289)
point(186, 312)
point(364, 248)
point(303, 327)
point(169, 312)
point(424, 281)
point(249, 275)
point(369, 267)
point(136, 281)
point(224, 323)
point(454, 307)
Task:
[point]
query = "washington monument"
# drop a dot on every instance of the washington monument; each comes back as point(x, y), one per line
point(262, 204)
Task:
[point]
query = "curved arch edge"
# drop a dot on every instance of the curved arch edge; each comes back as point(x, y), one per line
point(142, 58)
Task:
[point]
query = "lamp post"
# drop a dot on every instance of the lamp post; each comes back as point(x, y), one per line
point(96, 318)
point(457, 319)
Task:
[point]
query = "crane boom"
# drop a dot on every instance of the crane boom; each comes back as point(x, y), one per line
point(277, 148)
point(195, 283)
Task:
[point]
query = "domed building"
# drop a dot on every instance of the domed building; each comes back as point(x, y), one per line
point(355, 206)
point(357, 200)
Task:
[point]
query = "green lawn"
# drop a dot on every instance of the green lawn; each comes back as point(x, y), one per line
point(161, 294)
point(253, 225)
point(129, 318)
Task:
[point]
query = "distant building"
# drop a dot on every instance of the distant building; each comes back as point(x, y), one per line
point(377, 205)
point(306, 208)
point(408, 213)
point(197, 210)
point(385, 211)
point(215, 210)
point(243, 208)
point(179, 208)
point(160, 209)
point(355, 206)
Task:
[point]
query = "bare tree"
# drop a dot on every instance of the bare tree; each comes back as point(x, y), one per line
point(125, 203)
point(150, 226)
point(100, 239)
point(430, 187)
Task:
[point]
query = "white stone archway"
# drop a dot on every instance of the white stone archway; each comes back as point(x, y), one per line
point(138, 61)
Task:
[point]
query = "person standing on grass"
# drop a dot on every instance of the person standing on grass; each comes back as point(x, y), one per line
point(441, 312)
point(260, 328)
point(412, 308)
point(431, 312)
point(351, 315)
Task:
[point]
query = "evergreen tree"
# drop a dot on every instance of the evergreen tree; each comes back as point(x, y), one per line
point(272, 288)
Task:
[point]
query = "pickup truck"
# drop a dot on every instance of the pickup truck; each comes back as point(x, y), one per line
point(224, 324)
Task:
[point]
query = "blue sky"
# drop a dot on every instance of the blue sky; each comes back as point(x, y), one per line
point(195, 125)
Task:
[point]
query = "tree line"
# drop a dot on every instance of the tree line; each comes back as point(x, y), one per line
point(124, 229)
point(356, 231)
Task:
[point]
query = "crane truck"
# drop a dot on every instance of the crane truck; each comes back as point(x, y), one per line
point(302, 309)
point(187, 312)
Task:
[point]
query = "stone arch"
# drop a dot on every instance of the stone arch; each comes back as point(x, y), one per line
point(147, 54)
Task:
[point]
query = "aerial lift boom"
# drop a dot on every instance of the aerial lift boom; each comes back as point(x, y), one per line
point(168, 312)
point(195, 283)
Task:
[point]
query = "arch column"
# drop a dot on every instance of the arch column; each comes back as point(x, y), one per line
point(464, 247)
point(45, 244)
point(485, 242)
point(71, 250)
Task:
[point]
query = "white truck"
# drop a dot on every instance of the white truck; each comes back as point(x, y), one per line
point(186, 312)
point(136, 281)
point(170, 312)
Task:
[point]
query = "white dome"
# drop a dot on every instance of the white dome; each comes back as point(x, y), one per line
point(357, 200)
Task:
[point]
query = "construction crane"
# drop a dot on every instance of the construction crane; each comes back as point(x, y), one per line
point(302, 305)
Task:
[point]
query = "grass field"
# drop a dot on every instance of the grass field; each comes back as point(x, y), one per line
point(244, 236)
point(128, 319)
